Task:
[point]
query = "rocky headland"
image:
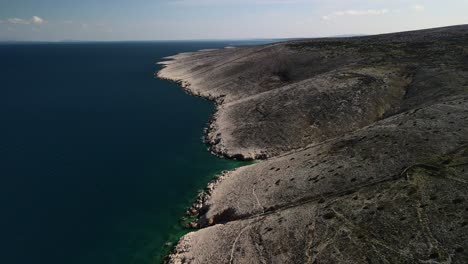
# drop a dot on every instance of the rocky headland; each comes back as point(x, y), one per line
point(362, 146)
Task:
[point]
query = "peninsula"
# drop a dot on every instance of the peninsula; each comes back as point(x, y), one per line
point(361, 143)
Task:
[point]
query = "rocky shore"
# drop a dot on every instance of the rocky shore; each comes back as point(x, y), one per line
point(363, 149)
point(197, 209)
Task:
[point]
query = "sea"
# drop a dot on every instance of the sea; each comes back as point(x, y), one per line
point(98, 159)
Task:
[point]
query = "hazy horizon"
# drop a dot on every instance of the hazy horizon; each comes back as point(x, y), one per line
point(183, 20)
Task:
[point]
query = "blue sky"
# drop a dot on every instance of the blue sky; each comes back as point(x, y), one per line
point(55, 20)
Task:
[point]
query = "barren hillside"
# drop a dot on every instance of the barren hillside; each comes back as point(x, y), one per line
point(363, 149)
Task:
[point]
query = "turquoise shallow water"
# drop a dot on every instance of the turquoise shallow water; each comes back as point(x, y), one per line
point(98, 159)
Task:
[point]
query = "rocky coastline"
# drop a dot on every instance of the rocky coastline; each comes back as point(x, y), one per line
point(199, 207)
point(362, 146)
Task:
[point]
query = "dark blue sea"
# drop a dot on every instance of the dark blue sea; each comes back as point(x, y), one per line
point(98, 159)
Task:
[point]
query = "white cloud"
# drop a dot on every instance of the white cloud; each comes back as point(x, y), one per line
point(368, 12)
point(20, 21)
point(37, 20)
point(418, 8)
point(16, 20)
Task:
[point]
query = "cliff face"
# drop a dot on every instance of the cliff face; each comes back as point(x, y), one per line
point(366, 148)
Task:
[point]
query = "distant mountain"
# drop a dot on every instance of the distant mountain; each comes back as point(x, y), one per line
point(349, 36)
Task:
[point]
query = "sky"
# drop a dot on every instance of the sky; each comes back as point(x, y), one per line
point(109, 20)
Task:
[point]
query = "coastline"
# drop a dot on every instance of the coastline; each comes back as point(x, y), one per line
point(189, 220)
point(339, 140)
point(209, 132)
point(192, 217)
point(140, 164)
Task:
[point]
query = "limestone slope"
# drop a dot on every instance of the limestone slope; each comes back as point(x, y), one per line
point(280, 97)
point(366, 148)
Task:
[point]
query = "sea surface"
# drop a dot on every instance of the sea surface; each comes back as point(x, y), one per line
point(98, 159)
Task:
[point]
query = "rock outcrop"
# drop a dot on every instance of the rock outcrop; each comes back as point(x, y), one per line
point(364, 149)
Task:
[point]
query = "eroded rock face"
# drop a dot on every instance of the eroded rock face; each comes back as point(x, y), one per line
point(366, 148)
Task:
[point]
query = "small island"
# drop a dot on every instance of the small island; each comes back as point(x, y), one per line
point(361, 146)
